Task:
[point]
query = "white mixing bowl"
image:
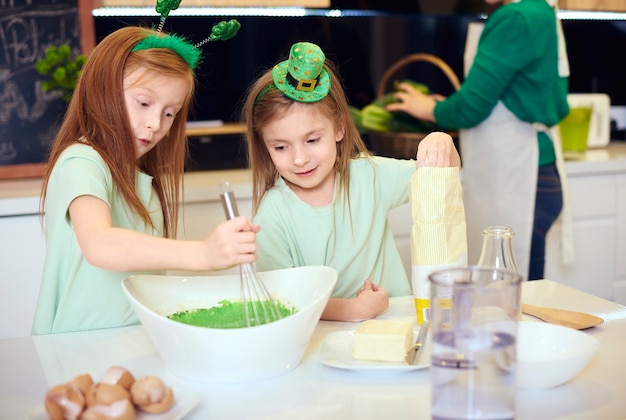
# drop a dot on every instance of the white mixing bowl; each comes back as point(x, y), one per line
point(550, 355)
point(230, 355)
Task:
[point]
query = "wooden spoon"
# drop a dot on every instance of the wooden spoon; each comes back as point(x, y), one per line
point(571, 319)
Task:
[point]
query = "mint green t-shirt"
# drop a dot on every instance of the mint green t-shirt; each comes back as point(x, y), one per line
point(357, 242)
point(74, 294)
point(516, 62)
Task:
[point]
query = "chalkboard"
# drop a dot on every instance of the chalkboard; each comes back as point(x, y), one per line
point(29, 118)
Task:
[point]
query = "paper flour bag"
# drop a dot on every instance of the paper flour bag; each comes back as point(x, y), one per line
point(438, 233)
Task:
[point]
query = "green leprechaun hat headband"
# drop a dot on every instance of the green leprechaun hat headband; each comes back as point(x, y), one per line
point(302, 77)
point(190, 53)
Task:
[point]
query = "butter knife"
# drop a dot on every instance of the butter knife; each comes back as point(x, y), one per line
point(413, 353)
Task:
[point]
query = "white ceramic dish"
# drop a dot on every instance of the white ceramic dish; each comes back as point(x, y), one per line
point(550, 355)
point(336, 351)
point(185, 400)
point(230, 355)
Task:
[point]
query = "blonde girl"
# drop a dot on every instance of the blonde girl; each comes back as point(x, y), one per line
point(318, 194)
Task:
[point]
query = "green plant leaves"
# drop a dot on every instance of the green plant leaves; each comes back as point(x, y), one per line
point(62, 70)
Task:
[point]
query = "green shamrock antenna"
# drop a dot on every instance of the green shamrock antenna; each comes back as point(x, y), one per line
point(222, 31)
point(164, 7)
point(189, 52)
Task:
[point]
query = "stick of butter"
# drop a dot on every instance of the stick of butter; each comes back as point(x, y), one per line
point(383, 340)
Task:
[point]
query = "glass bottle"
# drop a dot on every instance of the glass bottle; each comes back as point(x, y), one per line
point(497, 250)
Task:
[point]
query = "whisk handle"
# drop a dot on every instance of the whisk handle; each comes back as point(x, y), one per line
point(228, 201)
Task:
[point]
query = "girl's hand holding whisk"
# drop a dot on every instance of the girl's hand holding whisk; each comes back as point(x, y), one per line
point(232, 243)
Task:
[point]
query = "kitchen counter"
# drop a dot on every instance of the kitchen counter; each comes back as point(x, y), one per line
point(19, 195)
point(31, 365)
point(610, 159)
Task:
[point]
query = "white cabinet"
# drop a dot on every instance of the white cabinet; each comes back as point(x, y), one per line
point(598, 198)
point(22, 250)
point(620, 248)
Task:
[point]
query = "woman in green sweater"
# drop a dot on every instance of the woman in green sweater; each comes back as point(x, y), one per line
point(514, 93)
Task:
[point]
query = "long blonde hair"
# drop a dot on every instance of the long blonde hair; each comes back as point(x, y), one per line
point(97, 113)
point(258, 112)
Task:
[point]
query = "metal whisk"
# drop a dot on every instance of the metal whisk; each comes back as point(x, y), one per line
point(259, 305)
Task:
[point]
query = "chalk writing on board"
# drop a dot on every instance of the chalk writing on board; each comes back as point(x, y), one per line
point(29, 117)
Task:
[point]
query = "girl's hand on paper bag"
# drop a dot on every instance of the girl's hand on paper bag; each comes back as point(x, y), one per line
point(371, 300)
point(437, 149)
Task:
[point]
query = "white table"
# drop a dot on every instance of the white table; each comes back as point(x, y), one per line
point(29, 366)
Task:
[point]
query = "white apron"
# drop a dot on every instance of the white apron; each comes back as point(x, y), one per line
point(499, 174)
point(499, 181)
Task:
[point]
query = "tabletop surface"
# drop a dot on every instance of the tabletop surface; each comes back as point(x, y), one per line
point(29, 366)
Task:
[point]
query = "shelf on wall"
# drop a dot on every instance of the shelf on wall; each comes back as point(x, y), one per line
point(210, 129)
point(600, 5)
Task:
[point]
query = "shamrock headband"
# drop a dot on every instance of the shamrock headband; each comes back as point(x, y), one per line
point(187, 51)
point(302, 77)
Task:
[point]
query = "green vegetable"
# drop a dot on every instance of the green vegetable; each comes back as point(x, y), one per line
point(356, 113)
point(416, 85)
point(388, 98)
point(384, 100)
point(403, 122)
point(375, 118)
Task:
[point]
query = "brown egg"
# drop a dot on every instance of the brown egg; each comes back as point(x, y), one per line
point(104, 394)
point(119, 410)
point(119, 375)
point(151, 395)
point(64, 402)
point(82, 382)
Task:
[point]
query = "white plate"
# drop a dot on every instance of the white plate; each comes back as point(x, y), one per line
point(336, 351)
point(184, 401)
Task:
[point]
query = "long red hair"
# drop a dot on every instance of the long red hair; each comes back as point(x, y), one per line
point(97, 113)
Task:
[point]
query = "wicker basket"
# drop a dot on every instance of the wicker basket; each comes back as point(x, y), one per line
point(404, 145)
